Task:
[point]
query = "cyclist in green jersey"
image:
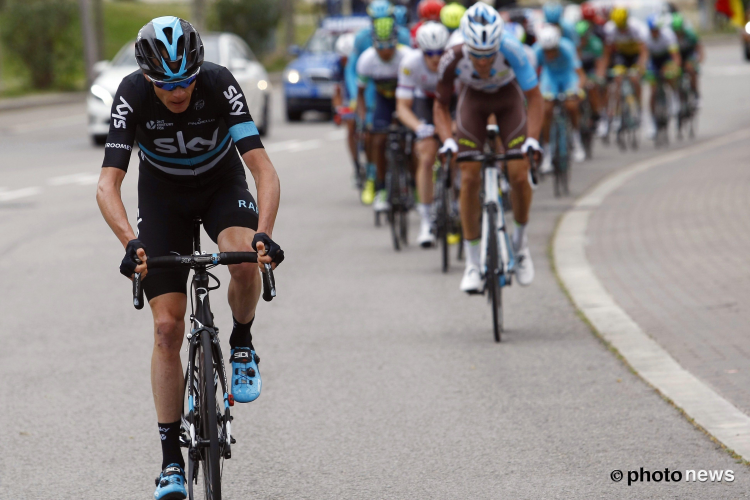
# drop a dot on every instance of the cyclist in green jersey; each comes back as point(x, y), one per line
point(590, 51)
point(691, 50)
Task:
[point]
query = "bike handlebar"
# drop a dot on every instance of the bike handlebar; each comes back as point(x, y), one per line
point(491, 157)
point(225, 258)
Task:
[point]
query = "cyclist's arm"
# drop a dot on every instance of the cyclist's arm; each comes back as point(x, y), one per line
point(117, 152)
point(405, 96)
point(534, 111)
point(441, 113)
point(405, 113)
point(699, 51)
point(603, 62)
point(267, 185)
point(582, 77)
point(362, 81)
point(350, 71)
point(361, 109)
point(109, 199)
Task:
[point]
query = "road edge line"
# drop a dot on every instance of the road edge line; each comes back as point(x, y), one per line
point(723, 422)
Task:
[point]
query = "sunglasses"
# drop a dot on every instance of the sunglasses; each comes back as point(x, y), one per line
point(482, 56)
point(384, 45)
point(173, 85)
point(433, 53)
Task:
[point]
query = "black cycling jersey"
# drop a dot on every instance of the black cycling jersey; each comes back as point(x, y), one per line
point(197, 143)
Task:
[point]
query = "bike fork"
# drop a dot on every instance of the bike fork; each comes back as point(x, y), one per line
point(492, 202)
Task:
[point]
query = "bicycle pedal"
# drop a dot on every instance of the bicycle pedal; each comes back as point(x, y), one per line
point(232, 440)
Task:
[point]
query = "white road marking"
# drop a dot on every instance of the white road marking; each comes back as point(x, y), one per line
point(34, 126)
point(82, 179)
point(6, 195)
point(654, 364)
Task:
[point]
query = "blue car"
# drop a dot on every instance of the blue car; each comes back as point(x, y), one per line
point(310, 80)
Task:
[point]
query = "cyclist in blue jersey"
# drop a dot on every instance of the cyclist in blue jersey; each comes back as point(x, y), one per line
point(561, 73)
point(191, 122)
point(376, 10)
point(553, 14)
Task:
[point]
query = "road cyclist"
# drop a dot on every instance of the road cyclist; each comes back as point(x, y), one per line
point(379, 66)
point(495, 78)
point(191, 122)
point(343, 113)
point(691, 51)
point(626, 54)
point(664, 65)
point(415, 95)
point(561, 74)
point(590, 51)
point(377, 9)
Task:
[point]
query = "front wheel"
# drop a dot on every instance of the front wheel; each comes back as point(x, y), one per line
point(209, 428)
point(492, 274)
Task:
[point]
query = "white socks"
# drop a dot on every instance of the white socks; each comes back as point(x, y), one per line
point(519, 236)
point(472, 248)
point(424, 210)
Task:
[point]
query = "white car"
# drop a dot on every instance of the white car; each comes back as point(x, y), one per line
point(225, 49)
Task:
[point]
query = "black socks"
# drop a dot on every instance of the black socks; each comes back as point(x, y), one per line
point(170, 445)
point(241, 336)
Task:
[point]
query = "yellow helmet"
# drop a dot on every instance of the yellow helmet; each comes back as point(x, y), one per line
point(619, 16)
point(451, 15)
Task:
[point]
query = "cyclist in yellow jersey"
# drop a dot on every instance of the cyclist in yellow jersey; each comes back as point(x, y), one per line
point(625, 51)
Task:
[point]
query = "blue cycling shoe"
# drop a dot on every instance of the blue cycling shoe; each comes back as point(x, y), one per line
point(245, 375)
point(170, 485)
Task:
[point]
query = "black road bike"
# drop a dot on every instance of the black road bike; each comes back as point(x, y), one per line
point(661, 111)
point(206, 429)
point(561, 145)
point(447, 220)
point(398, 182)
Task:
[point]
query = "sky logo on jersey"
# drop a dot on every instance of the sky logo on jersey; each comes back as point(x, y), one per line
point(196, 144)
point(121, 111)
point(234, 99)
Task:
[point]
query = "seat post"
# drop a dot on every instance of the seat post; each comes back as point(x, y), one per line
point(197, 235)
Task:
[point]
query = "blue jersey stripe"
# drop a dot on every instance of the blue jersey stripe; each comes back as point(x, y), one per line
point(186, 161)
point(242, 130)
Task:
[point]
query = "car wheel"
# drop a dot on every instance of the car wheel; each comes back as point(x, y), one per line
point(263, 130)
point(293, 115)
point(747, 51)
point(99, 139)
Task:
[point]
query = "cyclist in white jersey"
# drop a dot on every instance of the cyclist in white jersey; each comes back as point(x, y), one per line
point(380, 64)
point(415, 95)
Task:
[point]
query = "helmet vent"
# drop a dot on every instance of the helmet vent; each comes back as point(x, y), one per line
point(168, 34)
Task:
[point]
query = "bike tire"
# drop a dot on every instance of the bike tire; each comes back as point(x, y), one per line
point(209, 455)
point(491, 277)
point(393, 223)
point(443, 222)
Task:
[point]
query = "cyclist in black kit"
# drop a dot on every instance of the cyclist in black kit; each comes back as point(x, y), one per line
point(189, 119)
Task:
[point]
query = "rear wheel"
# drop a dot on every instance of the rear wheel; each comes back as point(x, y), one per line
point(293, 115)
point(491, 276)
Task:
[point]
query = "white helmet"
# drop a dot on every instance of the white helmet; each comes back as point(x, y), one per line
point(432, 36)
point(345, 44)
point(549, 37)
point(482, 28)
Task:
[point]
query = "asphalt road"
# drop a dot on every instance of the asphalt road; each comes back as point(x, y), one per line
point(381, 380)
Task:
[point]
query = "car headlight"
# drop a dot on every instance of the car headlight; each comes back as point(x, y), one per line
point(747, 28)
point(102, 94)
point(262, 84)
point(292, 76)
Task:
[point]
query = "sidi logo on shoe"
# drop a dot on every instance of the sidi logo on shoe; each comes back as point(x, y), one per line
point(171, 469)
point(242, 354)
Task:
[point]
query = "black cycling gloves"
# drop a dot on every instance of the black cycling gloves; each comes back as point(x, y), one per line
point(273, 250)
point(128, 264)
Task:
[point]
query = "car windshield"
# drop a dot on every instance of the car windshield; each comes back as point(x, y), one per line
point(126, 56)
point(322, 41)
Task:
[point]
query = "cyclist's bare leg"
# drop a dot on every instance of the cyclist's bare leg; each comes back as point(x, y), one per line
point(595, 97)
point(636, 81)
point(471, 207)
point(520, 193)
point(426, 150)
point(351, 136)
point(378, 156)
point(571, 105)
point(548, 108)
point(167, 380)
point(245, 284)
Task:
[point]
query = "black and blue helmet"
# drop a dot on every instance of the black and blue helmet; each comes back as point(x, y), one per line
point(169, 49)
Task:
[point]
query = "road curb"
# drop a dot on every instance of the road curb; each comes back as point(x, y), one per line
point(701, 404)
point(35, 101)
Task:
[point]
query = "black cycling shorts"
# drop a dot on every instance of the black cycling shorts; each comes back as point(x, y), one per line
point(166, 211)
